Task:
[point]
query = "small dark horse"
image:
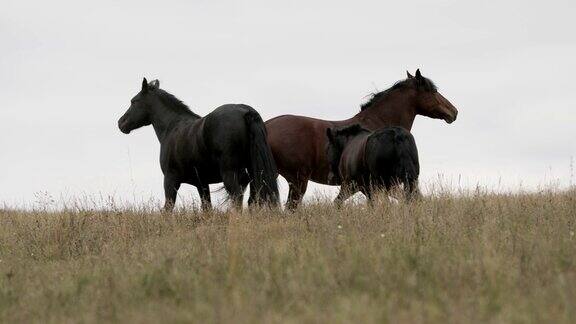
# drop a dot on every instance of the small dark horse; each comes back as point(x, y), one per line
point(366, 161)
point(299, 143)
point(228, 145)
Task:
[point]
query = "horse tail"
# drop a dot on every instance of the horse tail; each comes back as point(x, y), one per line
point(408, 168)
point(262, 169)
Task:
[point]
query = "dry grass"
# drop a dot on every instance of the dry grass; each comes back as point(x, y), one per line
point(477, 258)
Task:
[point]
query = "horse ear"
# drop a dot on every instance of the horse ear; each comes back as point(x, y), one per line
point(409, 75)
point(144, 85)
point(155, 84)
point(418, 74)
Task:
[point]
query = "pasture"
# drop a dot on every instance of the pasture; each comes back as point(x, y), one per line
point(477, 257)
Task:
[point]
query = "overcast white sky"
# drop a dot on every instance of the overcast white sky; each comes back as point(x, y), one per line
point(68, 70)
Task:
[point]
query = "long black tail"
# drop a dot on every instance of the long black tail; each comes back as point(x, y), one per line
point(264, 188)
point(408, 168)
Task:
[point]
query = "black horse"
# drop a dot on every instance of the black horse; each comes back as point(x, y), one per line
point(228, 145)
point(363, 161)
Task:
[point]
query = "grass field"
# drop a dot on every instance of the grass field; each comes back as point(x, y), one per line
point(474, 258)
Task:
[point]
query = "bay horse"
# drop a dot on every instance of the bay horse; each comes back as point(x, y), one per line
point(227, 145)
point(299, 143)
point(365, 161)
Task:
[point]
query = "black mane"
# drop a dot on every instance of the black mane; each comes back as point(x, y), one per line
point(350, 130)
point(423, 84)
point(174, 103)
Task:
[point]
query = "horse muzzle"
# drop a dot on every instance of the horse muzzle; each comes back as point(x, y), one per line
point(451, 116)
point(123, 126)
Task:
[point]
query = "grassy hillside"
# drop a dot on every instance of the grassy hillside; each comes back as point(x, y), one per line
point(477, 258)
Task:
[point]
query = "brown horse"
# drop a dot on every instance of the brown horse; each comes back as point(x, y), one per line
point(299, 143)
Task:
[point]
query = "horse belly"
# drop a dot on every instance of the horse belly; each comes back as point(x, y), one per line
point(202, 175)
point(320, 175)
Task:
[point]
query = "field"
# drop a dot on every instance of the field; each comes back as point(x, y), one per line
point(477, 257)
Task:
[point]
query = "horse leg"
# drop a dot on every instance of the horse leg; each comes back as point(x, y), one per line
point(347, 189)
point(231, 179)
point(342, 196)
point(389, 187)
point(296, 192)
point(204, 192)
point(244, 182)
point(369, 193)
point(171, 186)
point(411, 190)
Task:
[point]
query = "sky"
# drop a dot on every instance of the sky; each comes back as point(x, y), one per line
point(68, 70)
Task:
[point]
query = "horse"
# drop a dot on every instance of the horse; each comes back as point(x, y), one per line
point(228, 145)
point(299, 143)
point(365, 161)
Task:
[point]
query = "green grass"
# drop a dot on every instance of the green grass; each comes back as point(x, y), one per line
point(477, 258)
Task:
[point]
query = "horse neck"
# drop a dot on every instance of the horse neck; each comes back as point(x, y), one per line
point(164, 120)
point(396, 109)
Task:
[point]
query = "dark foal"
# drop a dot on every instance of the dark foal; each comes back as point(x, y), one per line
point(299, 143)
point(228, 145)
point(366, 161)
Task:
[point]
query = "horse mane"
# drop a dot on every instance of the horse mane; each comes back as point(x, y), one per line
point(424, 84)
point(350, 130)
point(174, 103)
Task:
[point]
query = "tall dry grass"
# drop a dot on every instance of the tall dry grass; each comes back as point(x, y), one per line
point(473, 258)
